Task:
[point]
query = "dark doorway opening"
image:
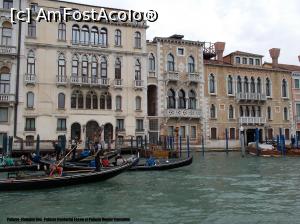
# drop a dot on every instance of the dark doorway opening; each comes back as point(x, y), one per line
point(152, 99)
point(76, 131)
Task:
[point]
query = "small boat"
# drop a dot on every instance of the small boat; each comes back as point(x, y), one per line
point(266, 150)
point(164, 165)
point(67, 179)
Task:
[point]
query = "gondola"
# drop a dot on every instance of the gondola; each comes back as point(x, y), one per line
point(164, 165)
point(68, 178)
point(73, 166)
point(18, 168)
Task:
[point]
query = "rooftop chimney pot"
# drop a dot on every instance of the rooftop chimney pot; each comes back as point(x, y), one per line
point(219, 48)
point(274, 54)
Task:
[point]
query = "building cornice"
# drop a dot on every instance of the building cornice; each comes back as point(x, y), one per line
point(84, 49)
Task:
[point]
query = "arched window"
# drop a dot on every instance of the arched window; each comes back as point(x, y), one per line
point(102, 101)
point(239, 84)
point(253, 113)
point(88, 101)
point(61, 68)
point(247, 112)
point(103, 67)
point(85, 35)
point(258, 85)
point(30, 100)
point(284, 88)
point(192, 100)
point(181, 99)
point(6, 34)
point(108, 101)
point(94, 70)
point(94, 36)
point(213, 133)
point(4, 80)
point(171, 99)
point(252, 85)
point(91, 100)
point(137, 40)
point(138, 70)
point(85, 69)
point(231, 112)
point(61, 101)
point(118, 38)
point(269, 113)
point(62, 31)
point(118, 103)
point(246, 85)
point(95, 101)
point(138, 103)
point(77, 100)
point(258, 112)
point(151, 63)
point(212, 111)
point(75, 64)
point(229, 85)
point(75, 34)
point(171, 63)
point(118, 66)
point(32, 28)
point(268, 87)
point(191, 65)
point(103, 37)
point(30, 63)
point(241, 111)
point(285, 114)
point(212, 87)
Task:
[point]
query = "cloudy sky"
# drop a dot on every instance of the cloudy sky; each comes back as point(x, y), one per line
point(247, 25)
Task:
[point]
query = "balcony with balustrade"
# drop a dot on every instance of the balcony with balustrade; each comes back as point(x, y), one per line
point(88, 81)
point(252, 120)
point(118, 83)
point(183, 113)
point(30, 79)
point(172, 76)
point(193, 77)
point(61, 80)
point(8, 50)
point(138, 84)
point(7, 98)
point(259, 97)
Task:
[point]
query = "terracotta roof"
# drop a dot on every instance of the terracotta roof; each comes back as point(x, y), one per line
point(244, 53)
point(290, 68)
point(223, 63)
point(216, 62)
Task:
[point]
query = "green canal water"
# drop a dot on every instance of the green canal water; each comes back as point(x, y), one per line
point(214, 189)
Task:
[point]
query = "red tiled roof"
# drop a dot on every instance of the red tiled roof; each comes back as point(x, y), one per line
point(290, 68)
point(244, 53)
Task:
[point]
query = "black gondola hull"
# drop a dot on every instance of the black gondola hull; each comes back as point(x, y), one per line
point(52, 182)
point(167, 166)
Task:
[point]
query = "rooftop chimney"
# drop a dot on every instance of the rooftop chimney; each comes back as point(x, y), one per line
point(219, 48)
point(274, 54)
point(299, 58)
